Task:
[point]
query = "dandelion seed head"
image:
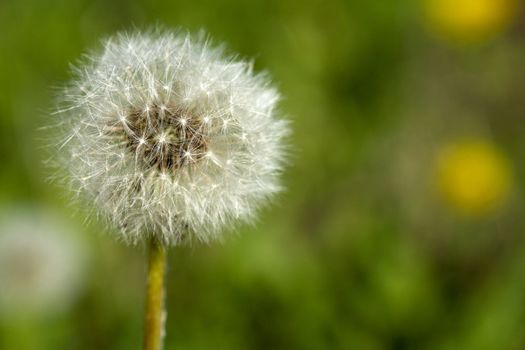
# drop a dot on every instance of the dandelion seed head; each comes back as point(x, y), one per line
point(41, 262)
point(172, 138)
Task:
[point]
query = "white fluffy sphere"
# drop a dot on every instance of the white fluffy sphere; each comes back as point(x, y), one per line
point(170, 139)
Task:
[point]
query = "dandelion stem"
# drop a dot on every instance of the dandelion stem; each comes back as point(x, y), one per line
point(155, 313)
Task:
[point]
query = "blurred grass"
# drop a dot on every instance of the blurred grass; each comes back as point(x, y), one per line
point(359, 253)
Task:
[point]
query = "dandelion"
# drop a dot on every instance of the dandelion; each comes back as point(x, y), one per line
point(41, 264)
point(474, 176)
point(171, 142)
point(469, 21)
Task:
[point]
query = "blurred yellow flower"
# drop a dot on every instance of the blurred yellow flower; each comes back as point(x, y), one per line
point(467, 21)
point(474, 177)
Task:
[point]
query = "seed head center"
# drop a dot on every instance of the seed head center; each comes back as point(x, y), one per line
point(165, 137)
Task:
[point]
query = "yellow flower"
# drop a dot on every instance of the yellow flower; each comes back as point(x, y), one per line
point(474, 177)
point(467, 21)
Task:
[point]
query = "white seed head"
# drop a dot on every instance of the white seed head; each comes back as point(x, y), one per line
point(170, 139)
point(41, 262)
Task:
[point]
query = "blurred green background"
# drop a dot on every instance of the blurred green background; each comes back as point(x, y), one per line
point(402, 224)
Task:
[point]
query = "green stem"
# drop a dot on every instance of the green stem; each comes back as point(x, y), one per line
point(155, 314)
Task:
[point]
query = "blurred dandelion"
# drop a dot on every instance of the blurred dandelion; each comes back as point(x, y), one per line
point(469, 21)
point(473, 176)
point(41, 263)
point(171, 142)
